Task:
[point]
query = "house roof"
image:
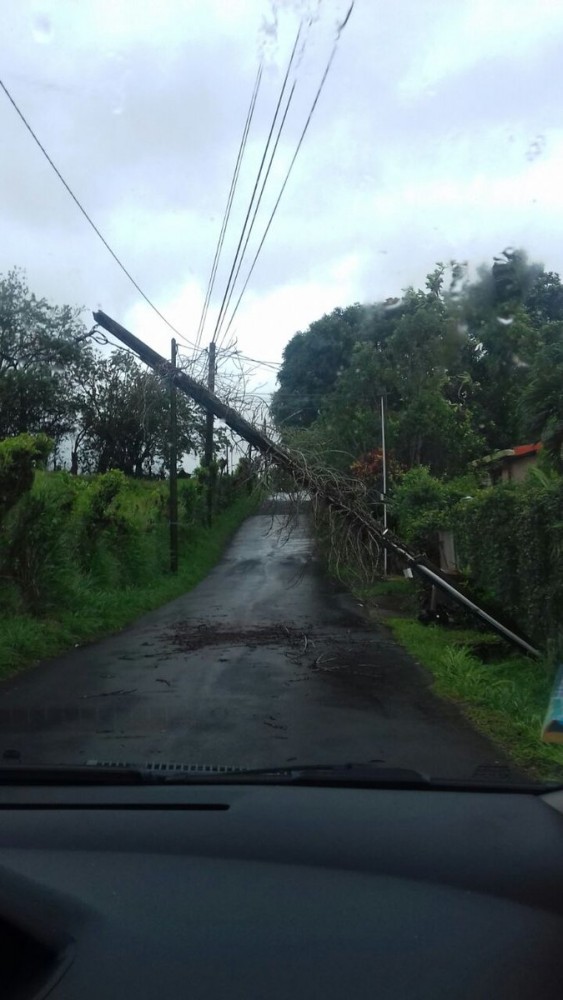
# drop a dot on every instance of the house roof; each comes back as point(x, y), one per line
point(526, 449)
point(519, 451)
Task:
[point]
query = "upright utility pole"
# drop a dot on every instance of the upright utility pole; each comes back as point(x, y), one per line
point(209, 423)
point(209, 419)
point(384, 453)
point(173, 466)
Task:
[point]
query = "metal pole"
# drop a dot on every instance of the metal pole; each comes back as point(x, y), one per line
point(475, 609)
point(173, 467)
point(209, 424)
point(384, 451)
point(209, 419)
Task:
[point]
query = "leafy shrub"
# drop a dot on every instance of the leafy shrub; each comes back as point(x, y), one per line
point(37, 544)
point(191, 503)
point(421, 504)
point(18, 458)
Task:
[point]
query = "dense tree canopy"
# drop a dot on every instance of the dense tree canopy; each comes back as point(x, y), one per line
point(101, 411)
point(38, 355)
point(466, 366)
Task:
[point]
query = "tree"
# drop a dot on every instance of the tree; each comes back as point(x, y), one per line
point(542, 402)
point(544, 302)
point(312, 362)
point(433, 432)
point(349, 420)
point(38, 348)
point(425, 345)
point(124, 418)
point(502, 339)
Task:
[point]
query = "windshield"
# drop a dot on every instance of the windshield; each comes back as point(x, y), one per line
point(281, 369)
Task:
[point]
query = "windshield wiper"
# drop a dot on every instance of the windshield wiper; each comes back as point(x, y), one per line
point(351, 775)
point(362, 775)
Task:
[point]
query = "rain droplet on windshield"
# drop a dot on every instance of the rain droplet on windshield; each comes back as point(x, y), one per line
point(42, 28)
point(535, 148)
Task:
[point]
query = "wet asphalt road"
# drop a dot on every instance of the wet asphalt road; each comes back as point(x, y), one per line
point(264, 663)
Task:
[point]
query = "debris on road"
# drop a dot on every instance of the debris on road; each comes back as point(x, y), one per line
point(192, 637)
point(108, 694)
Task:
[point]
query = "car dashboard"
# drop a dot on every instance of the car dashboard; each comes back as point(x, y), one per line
point(255, 891)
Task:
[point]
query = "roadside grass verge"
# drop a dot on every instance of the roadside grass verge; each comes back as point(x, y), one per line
point(506, 698)
point(505, 695)
point(94, 612)
point(398, 594)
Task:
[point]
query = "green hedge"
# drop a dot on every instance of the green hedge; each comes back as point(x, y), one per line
point(509, 540)
point(62, 535)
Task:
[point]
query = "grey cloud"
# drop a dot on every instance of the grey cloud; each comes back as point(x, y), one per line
point(145, 125)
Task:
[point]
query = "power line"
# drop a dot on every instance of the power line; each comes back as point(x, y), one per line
point(226, 354)
point(265, 181)
point(266, 364)
point(87, 217)
point(257, 206)
point(292, 163)
point(230, 282)
point(228, 206)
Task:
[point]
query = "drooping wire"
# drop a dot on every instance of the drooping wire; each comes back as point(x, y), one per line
point(88, 217)
point(228, 206)
point(230, 282)
point(292, 163)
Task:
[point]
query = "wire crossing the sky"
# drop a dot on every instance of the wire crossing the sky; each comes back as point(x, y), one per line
point(228, 206)
point(257, 206)
point(292, 163)
point(89, 219)
point(230, 282)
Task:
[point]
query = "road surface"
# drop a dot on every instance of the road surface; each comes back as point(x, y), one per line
point(264, 663)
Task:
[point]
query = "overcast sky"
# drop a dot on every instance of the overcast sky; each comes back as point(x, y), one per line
point(438, 135)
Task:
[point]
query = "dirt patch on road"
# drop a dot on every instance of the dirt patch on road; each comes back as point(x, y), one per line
point(191, 637)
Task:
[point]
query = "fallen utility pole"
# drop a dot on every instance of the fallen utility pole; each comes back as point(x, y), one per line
point(423, 568)
point(198, 392)
point(304, 479)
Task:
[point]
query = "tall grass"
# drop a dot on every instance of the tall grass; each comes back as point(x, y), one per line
point(506, 698)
